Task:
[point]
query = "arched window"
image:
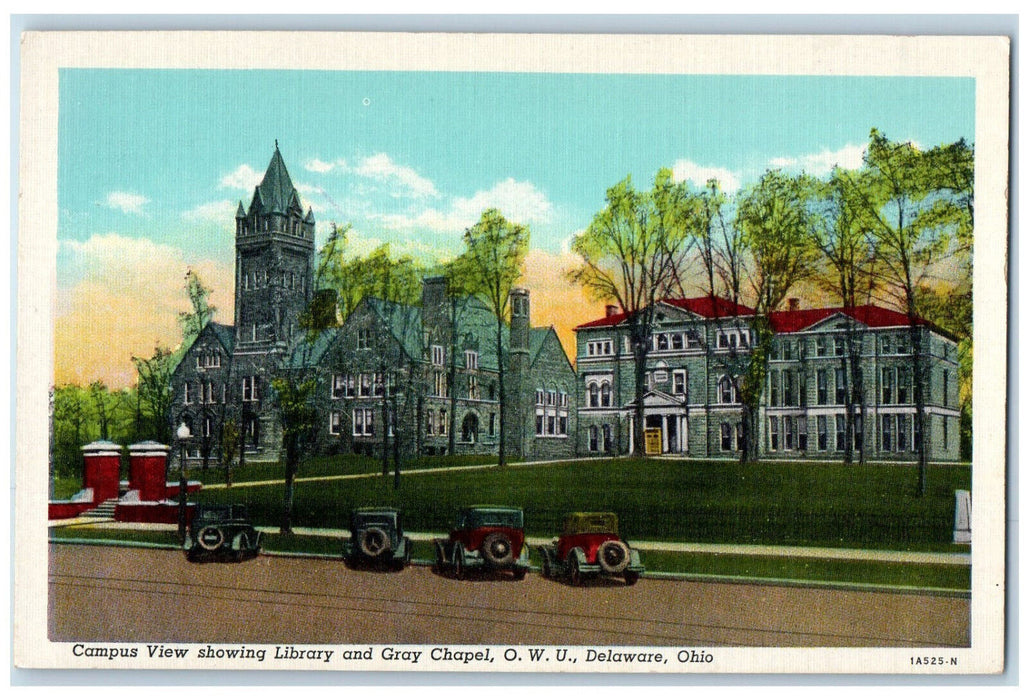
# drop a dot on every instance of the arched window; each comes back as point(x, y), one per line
point(593, 395)
point(605, 394)
point(726, 390)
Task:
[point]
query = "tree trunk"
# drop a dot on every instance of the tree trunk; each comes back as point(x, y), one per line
point(639, 358)
point(292, 462)
point(919, 425)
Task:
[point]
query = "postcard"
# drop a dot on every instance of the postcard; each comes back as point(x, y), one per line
point(469, 352)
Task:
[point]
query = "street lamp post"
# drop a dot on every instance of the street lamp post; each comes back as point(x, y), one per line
point(183, 434)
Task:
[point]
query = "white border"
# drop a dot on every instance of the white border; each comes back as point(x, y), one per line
point(983, 58)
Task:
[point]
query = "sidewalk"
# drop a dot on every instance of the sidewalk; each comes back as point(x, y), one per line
point(936, 558)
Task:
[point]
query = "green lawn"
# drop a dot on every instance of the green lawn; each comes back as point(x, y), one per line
point(722, 502)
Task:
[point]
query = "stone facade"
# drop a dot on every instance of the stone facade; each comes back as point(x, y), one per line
point(425, 375)
point(807, 409)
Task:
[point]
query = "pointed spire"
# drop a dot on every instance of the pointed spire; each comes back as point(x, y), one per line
point(276, 192)
point(309, 219)
point(240, 212)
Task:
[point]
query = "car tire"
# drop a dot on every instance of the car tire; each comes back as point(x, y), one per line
point(458, 563)
point(631, 577)
point(244, 547)
point(497, 549)
point(374, 542)
point(211, 538)
point(613, 556)
point(518, 574)
point(440, 561)
point(574, 575)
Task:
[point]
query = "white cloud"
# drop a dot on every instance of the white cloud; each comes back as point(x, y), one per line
point(520, 202)
point(242, 178)
point(382, 168)
point(850, 157)
point(700, 174)
point(115, 256)
point(221, 212)
point(127, 202)
point(316, 165)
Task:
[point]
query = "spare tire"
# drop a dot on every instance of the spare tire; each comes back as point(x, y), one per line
point(497, 549)
point(210, 538)
point(373, 542)
point(613, 556)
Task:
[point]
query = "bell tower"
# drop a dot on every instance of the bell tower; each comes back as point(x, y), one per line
point(274, 262)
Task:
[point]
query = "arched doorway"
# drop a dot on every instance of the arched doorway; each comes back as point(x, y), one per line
point(470, 428)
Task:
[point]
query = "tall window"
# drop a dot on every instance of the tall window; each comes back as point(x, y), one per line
point(821, 346)
point(250, 388)
point(726, 390)
point(364, 422)
point(774, 381)
point(444, 426)
point(471, 359)
point(439, 383)
point(887, 433)
point(822, 380)
point(605, 394)
point(841, 432)
point(801, 433)
point(823, 433)
point(437, 355)
point(887, 385)
point(773, 433)
point(593, 395)
point(186, 398)
point(789, 387)
point(946, 390)
point(841, 386)
point(679, 382)
point(473, 387)
point(334, 421)
point(903, 432)
point(363, 338)
point(430, 425)
point(903, 384)
point(594, 445)
point(789, 428)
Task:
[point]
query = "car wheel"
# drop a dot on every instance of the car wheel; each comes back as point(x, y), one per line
point(374, 542)
point(631, 577)
point(440, 560)
point(613, 556)
point(574, 575)
point(518, 574)
point(459, 569)
point(244, 547)
point(497, 549)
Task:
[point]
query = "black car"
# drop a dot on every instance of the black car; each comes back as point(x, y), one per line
point(221, 532)
point(377, 539)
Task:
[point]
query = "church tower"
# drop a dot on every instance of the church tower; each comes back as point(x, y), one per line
point(274, 286)
point(274, 262)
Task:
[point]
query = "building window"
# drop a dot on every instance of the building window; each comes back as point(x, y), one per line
point(539, 421)
point(439, 384)
point(946, 391)
point(444, 426)
point(726, 437)
point(186, 399)
point(787, 349)
point(605, 394)
point(841, 432)
point(692, 339)
point(903, 432)
point(679, 382)
point(677, 341)
point(471, 359)
point(342, 386)
point(364, 422)
point(592, 395)
point(562, 423)
point(430, 425)
point(470, 428)
point(662, 341)
point(823, 433)
point(598, 348)
point(492, 424)
point(903, 384)
point(822, 381)
point(789, 387)
point(887, 385)
point(841, 386)
point(594, 439)
point(437, 355)
point(473, 387)
point(773, 433)
point(801, 433)
point(250, 388)
point(887, 433)
point(902, 344)
point(838, 345)
point(820, 346)
point(946, 441)
point(789, 425)
point(334, 420)
point(774, 381)
point(726, 390)
point(363, 338)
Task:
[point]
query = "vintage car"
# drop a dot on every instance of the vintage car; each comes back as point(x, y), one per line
point(484, 537)
point(590, 546)
point(377, 539)
point(221, 532)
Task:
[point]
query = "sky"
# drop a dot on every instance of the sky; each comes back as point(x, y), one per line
point(152, 164)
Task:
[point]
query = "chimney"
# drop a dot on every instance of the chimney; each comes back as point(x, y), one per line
point(793, 304)
point(611, 310)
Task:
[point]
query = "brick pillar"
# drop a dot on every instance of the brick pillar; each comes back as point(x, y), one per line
point(148, 462)
point(101, 469)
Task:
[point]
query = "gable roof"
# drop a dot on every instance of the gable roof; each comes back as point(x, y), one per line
point(705, 307)
point(869, 315)
point(276, 193)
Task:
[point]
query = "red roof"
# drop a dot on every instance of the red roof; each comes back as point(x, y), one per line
point(869, 315)
point(782, 321)
point(706, 307)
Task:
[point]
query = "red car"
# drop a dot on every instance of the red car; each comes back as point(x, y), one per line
point(590, 546)
point(490, 537)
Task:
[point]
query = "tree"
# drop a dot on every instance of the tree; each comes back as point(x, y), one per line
point(491, 264)
point(774, 217)
point(299, 418)
point(201, 310)
point(630, 253)
point(847, 272)
point(154, 392)
point(230, 437)
point(919, 206)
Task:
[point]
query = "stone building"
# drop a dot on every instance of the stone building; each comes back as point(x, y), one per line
point(808, 408)
point(416, 373)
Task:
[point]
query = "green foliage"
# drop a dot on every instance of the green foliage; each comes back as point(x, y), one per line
point(491, 263)
point(200, 313)
point(154, 393)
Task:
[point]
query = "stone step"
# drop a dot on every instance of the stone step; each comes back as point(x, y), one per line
point(103, 510)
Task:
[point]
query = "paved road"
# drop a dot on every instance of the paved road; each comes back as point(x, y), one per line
point(136, 595)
